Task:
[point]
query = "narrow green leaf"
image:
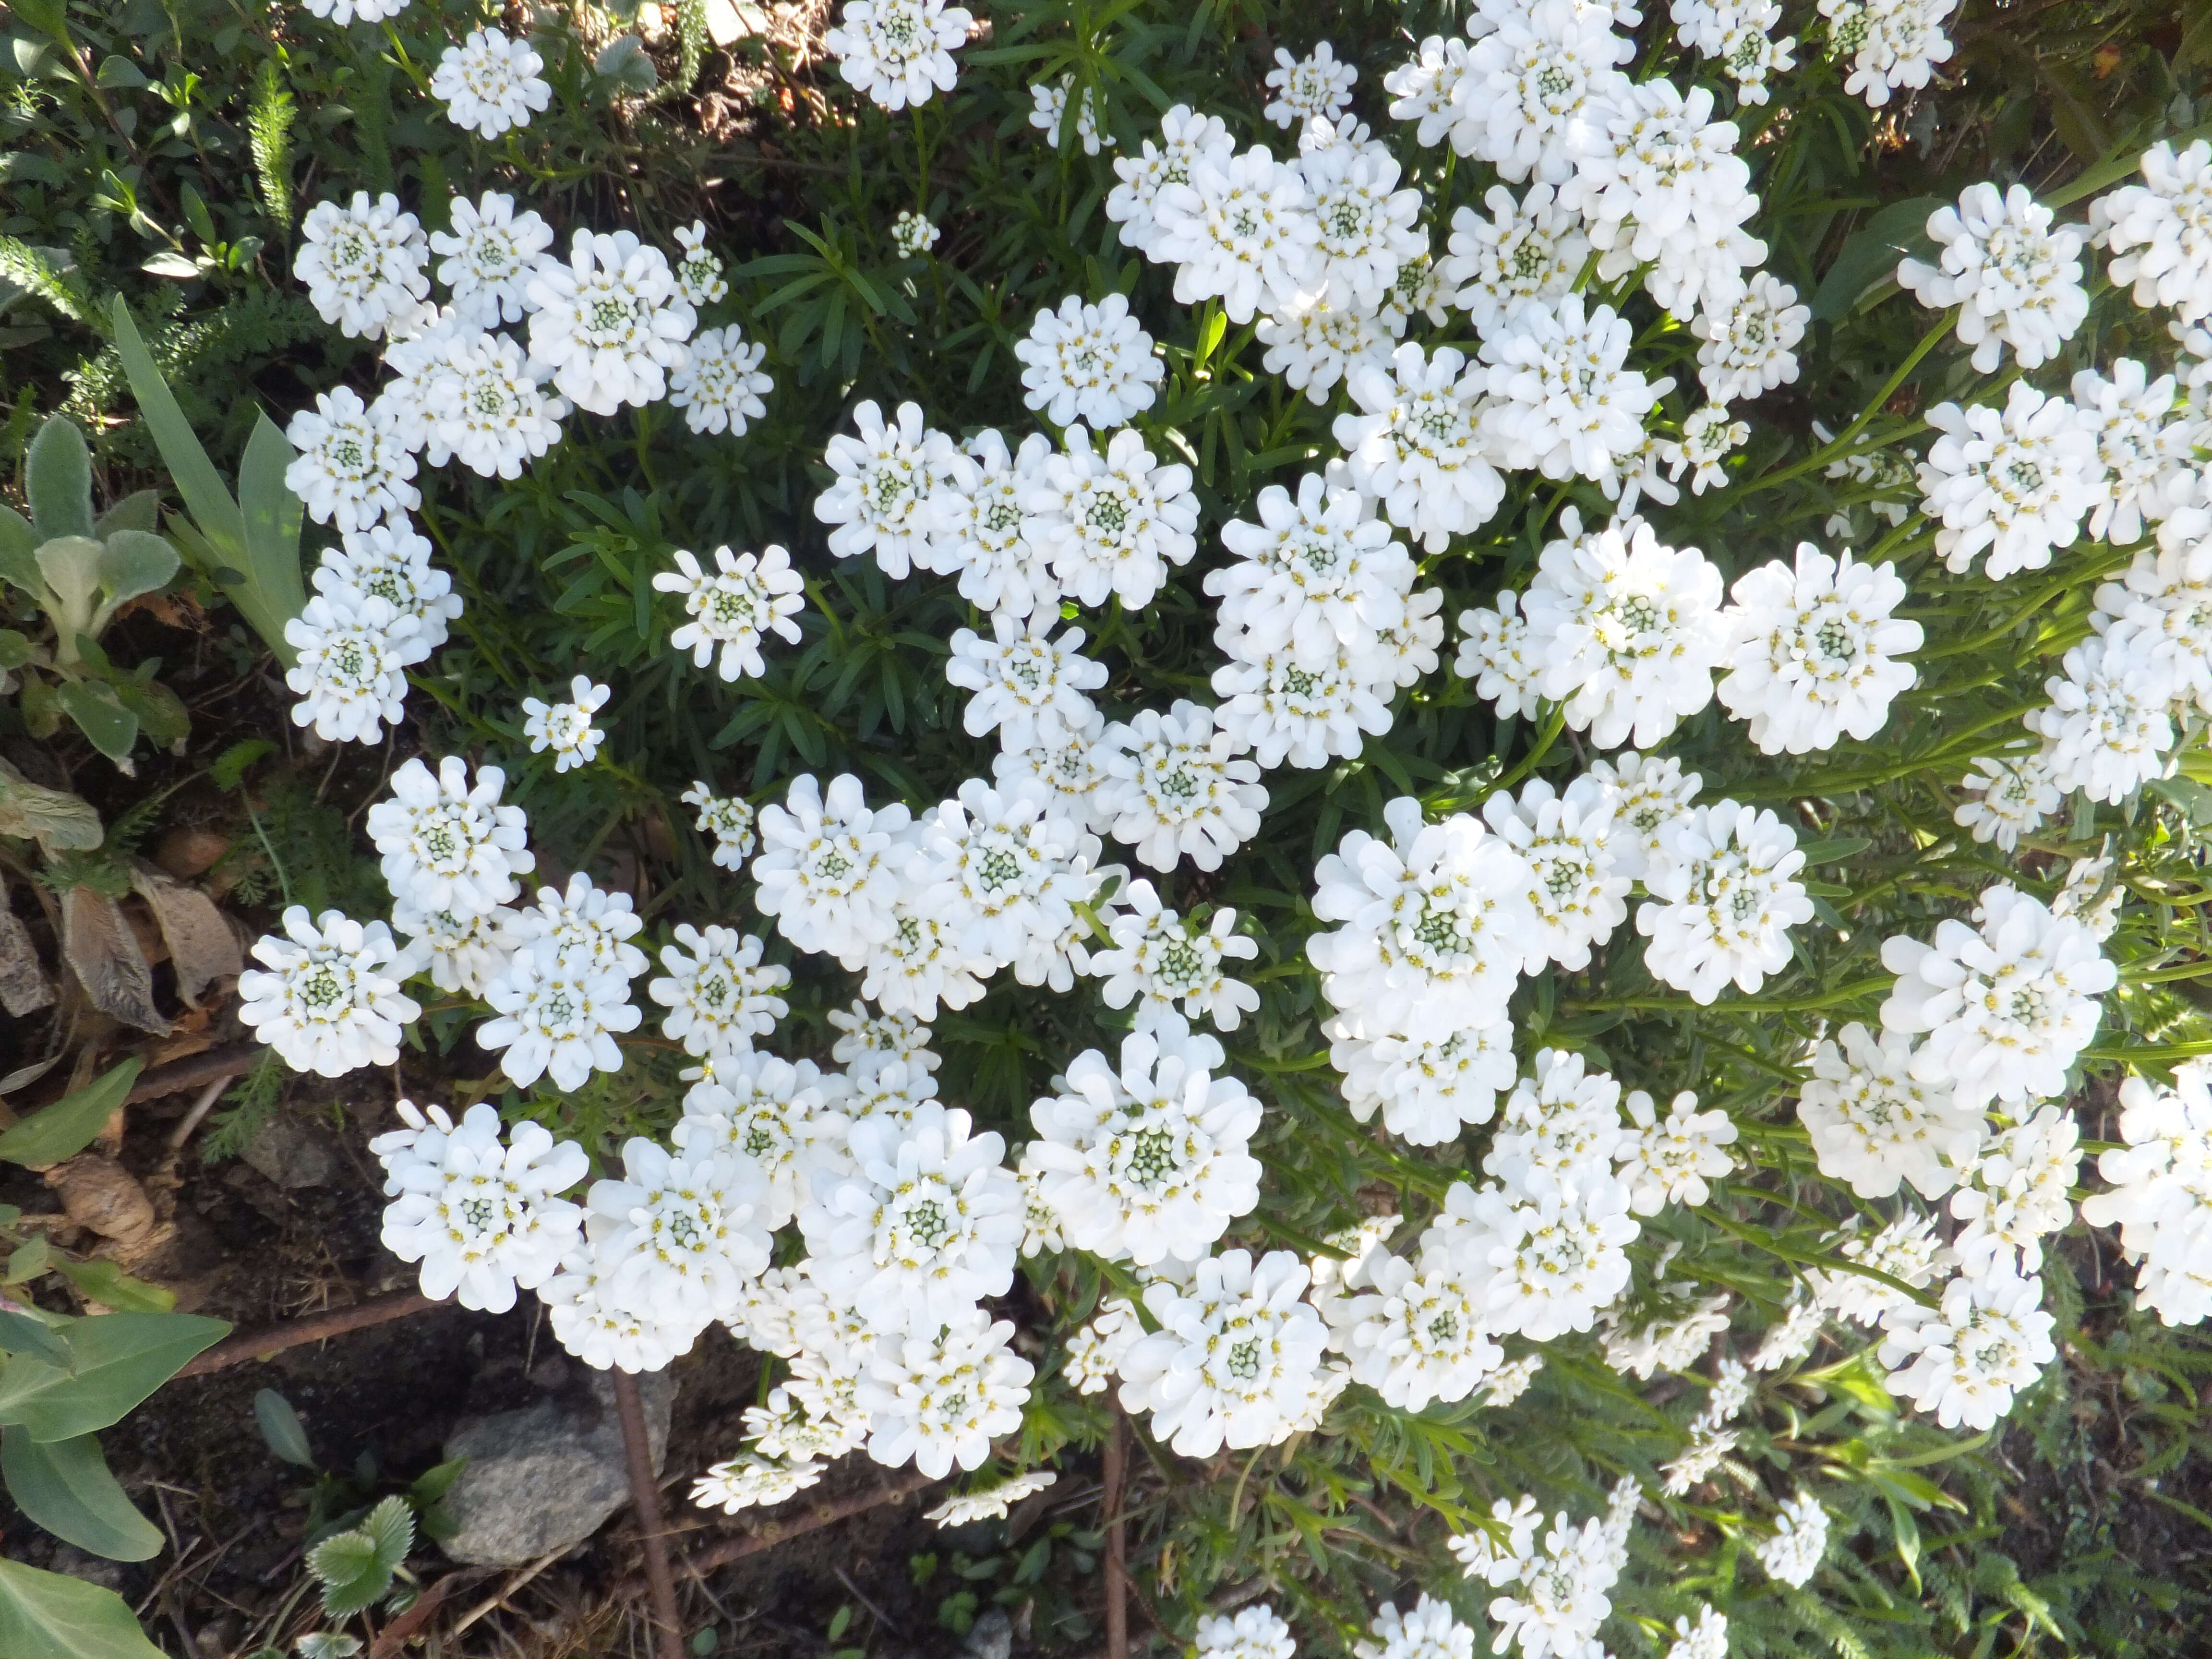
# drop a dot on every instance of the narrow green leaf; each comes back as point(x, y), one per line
point(121, 1357)
point(110, 1286)
point(65, 1486)
point(207, 498)
point(28, 1260)
point(66, 1127)
point(50, 1615)
point(58, 479)
point(274, 593)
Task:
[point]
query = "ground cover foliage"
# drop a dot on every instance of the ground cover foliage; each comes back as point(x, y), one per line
point(170, 154)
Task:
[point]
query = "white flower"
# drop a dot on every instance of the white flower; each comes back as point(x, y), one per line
point(937, 1399)
point(353, 467)
point(327, 996)
point(888, 1087)
point(490, 83)
point(752, 595)
point(1278, 710)
point(350, 675)
point(1800, 1539)
point(720, 997)
point(1160, 958)
point(1421, 90)
point(1233, 1357)
point(2106, 731)
point(603, 1325)
point(1112, 521)
point(1309, 88)
point(2008, 796)
point(2007, 1003)
point(1174, 788)
point(1315, 343)
point(1048, 114)
point(681, 1233)
point(1428, 1090)
point(921, 964)
point(1892, 42)
point(1532, 249)
point(1670, 1160)
point(728, 818)
point(1964, 1360)
point(584, 926)
point(391, 562)
point(1562, 397)
point(720, 387)
point(898, 51)
point(1750, 348)
point(1187, 138)
point(1626, 628)
point(556, 1019)
point(2161, 1192)
point(927, 1225)
point(484, 404)
point(1091, 364)
point(830, 869)
point(1574, 888)
point(447, 845)
point(1659, 184)
point(749, 1478)
point(913, 235)
point(1070, 768)
point(1437, 924)
point(2161, 230)
point(483, 1218)
point(2015, 277)
point(1256, 1632)
point(1908, 1248)
point(993, 1503)
point(2161, 619)
point(781, 1114)
point(870, 1035)
point(2018, 1191)
point(1649, 797)
point(1537, 82)
point(566, 728)
point(1486, 1555)
point(1240, 229)
point(1429, 1631)
point(1318, 576)
point(343, 12)
point(1563, 1598)
point(363, 264)
point(610, 321)
point(2148, 467)
point(1727, 894)
point(1417, 444)
point(2014, 483)
point(1874, 1124)
point(885, 476)
point(1673, 1342)
point(1369, 228)
point(699, 276)
point(1748, 54)
point(1812, 652)
point(1418, 1335)
point(980, 523)
point(1029, 686)
point(1494, 652)
point(488, 258)
point(1148, 1162)
point(1549, 1249)
point(463, 953)
point(995, 869)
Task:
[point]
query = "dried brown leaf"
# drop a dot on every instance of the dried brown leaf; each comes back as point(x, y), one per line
point(24, 986)
point(200, 940)
point(98, 943)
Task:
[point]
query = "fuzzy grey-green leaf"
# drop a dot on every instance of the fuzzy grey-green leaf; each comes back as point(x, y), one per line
point(58, 479)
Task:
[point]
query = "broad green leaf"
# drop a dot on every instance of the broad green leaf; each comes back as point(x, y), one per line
point(273, 592)
point(356, 1567)
point(20, 1334)
point(19, 551)
point(159, 711)
point(140, 510)
point(49, 1616)
point(47, 16)
point(71, 567)
point(58, 479)
point(121, 1357)
point(28, 1260)
point(110, 1286)
point(120, 72)
point(171, 264)
point(16, 649)
point(65, 1486)
point(1872, 252)
point(281, 1428)
point(100, 715)
point(66, 1127)
point(135, 562)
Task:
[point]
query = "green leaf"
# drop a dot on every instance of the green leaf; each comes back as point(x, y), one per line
point(158, 710)
point(274, 593)
point(356, 1567)
point(1871, 254)
point(58, 479)
point(65, 1486)
point(121, 72)
point(100, 715)
point(57, 818)
point(20, 1334)
point(66, 1127)
point(140, 510)
point(168, 263)
point(19, 551)
point(1834, 850)
point(110, 1286)
point(121, 1357)
point(47, 16)
point(16, 649)
point(135, 562)
point(49, 1616)
point(281, 1428)
point(28, 1260)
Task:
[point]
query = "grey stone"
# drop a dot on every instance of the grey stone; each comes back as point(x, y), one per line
point(992, 1635)
point(294, 1153)
point(546, 1477)
point(96, 1570)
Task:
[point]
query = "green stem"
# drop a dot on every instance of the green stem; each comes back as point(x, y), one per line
point(1835, 446)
